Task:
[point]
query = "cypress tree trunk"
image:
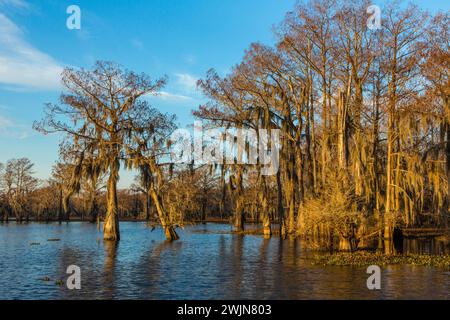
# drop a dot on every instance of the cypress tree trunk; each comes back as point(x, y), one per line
point(111, 224)
point(239, 210)
point(342, 129)
point(239, 216)
point(265, 217)
point(94, 211)
point(344, 244)
point(447, 151)
point(388, 219)
point(66, 207)
point(169, 230)
point(60, 209)
point(280, 208)
point(204, 210)
point(324, 122)
point(147, 207)
point(223, 192)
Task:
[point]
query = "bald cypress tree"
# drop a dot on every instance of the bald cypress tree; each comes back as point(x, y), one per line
point(102, 113)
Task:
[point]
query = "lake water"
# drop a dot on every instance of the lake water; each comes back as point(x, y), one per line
point(207, 263)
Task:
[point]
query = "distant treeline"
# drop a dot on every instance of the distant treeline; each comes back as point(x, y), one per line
point(24, 198)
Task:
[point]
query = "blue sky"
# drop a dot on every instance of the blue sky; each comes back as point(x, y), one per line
point(178, 38)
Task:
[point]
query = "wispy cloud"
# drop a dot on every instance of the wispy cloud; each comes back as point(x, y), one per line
point(10, 129)
point(138, 44)
point(172, 97)
point(186, 82)
point(21, 4)
point(22, 65)
point(190, 59)
point(183, 90)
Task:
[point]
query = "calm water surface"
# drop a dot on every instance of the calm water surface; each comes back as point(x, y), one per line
point(207, 263)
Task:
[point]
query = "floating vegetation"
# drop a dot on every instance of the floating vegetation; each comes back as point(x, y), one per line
point(59, 282)
point(364, 258)
point(46, 279)
point(35, 243)
point(53, 239)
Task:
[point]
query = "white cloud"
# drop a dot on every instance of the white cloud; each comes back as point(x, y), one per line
point(187, 82)
point(5, 122)
point(22, 65)
point(10, 129)
point(14, 3)
point(184, 90)
point(173, 97)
